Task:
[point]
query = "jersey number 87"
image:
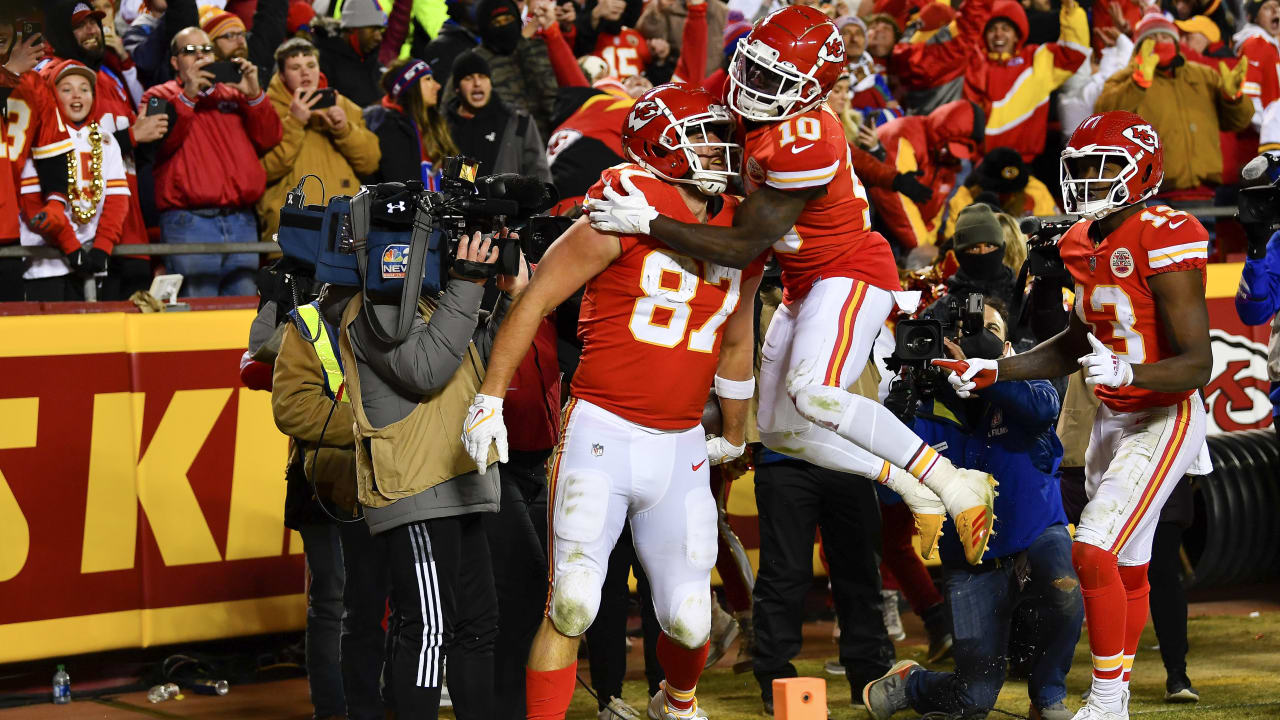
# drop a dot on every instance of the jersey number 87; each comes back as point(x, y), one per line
point(668, 286)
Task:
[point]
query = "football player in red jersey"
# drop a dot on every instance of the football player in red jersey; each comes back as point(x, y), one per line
point(1140, 331)
point(659, 330)
point(838, 276)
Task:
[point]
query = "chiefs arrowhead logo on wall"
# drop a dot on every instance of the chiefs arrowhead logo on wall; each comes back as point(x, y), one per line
point(642, 113)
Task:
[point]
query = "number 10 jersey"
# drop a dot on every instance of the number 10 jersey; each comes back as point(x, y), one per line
point(651, 323)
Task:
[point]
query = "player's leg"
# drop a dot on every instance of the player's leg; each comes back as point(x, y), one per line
point(1138, 460)
point(673, 525)
point(589, 496)
point(785, 430)
point(836, 326)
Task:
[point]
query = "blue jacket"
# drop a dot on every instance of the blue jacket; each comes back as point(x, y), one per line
point(1258, 298)
point(1012, 437)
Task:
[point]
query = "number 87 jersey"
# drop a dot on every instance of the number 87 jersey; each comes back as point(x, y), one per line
point(652, 322)
point(1114, 299)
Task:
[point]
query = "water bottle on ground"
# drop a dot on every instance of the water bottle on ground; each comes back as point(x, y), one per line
point(61, 686)
point(210, 687)
point(162, 693)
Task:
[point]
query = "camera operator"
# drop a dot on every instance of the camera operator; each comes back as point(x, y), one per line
point(1008, 431)
point(422, 494)
point(1258, 299)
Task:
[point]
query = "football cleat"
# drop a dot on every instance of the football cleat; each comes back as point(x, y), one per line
point(925, 505)
point(888, 695)
point(969, 496)
point(1094, 711)
point(659, 709)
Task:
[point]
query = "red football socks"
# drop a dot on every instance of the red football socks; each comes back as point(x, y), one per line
point(1137, 594)
point(683, 667)
point(547, 693)
point(1104, 609)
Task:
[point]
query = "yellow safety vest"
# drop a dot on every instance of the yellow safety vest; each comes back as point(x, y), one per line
point(316, 332)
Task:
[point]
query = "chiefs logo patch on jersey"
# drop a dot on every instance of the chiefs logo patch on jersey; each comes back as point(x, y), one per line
point(1144, 136)
point(1121, 263)
point(642, 114)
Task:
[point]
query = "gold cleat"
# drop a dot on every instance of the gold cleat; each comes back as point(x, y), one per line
point(929, 528)
point(973, 526)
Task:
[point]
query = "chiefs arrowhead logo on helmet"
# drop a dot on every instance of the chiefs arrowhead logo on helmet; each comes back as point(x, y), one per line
point(1144, 136)
point(642, 113)
point(833, 50)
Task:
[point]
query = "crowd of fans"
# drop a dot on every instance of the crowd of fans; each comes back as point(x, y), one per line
point(133, 121)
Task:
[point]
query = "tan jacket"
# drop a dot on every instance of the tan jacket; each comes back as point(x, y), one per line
point(1187, 109)
point(338, 160)
point(1075, 422)
point(421, 450)
point(300, 407)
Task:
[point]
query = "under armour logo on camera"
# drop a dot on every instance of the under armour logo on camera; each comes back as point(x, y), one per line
point(490, 137)
point(396, 207)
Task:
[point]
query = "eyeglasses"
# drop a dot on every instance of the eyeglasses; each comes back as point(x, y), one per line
point(195, 50)
point(233, 35)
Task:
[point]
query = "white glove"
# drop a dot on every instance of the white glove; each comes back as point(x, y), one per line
point(1103, 367)
point(969, 374)
point(720, 450)
point(484, 426)
point(627, 214)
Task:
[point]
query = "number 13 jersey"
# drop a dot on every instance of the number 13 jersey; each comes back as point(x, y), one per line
point(651, 323)
point(1115, 300)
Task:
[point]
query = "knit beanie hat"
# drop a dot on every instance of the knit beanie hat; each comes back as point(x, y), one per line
point(469, 63)
point(362, 13)
point(300, 16)
point(733, 32)
point(843, 22)
point(1152, 23)
point(216, 22)
point(977, 224)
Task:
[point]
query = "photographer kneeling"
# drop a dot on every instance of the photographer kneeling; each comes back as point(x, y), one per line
point(1008, 431)
point(420, 490)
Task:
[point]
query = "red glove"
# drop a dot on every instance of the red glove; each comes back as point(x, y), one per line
point(254, 374)
point(935, 15)
point(969, 375)
point(52, 224)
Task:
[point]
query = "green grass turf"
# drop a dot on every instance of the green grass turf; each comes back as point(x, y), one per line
point(1234, 663)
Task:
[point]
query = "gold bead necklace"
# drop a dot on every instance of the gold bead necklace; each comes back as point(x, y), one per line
point(84, 203)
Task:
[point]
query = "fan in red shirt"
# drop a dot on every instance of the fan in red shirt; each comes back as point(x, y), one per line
point(838, 276)
point(1140, 333)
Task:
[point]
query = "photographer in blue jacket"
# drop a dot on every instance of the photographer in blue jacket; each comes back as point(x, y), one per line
point(1008, 431)
point(1258, 298)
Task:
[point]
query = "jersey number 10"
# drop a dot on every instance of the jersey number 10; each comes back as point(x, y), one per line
point(659, 267)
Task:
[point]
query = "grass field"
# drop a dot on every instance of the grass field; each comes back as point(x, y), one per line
point(1234, 663)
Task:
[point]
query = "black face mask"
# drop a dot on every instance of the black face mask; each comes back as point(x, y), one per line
point(502, 40)
point(986, 265)
point(609, 27)
point(982, 345)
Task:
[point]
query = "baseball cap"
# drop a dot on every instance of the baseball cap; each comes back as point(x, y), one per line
point(84, 11)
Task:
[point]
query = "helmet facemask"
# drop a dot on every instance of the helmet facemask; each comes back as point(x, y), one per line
point(764, 90)
point(1089, 190)
point(690, 135)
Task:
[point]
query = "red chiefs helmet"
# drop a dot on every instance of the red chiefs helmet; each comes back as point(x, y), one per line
point(786, 65)
point(1113, 160)
point(659, 135)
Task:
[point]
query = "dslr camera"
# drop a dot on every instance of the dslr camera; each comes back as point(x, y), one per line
point(917, 342)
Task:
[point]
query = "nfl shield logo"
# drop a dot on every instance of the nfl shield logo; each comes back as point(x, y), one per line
point(1093, 263)
point(597, 449)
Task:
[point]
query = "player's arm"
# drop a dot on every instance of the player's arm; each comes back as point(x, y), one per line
point(761, 220)
point(1054, 358)
point(736, 362)
point(573, 259)
point(1180, 302)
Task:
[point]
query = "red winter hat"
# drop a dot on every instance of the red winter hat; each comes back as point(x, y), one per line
point(300, 14)
point(1012, 11)
point(1150, 24)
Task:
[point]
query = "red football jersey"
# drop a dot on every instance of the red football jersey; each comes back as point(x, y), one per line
point(1114, 299)
point(32, 128)
point(650, 322)
point(832, 237)
point(626, 53)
